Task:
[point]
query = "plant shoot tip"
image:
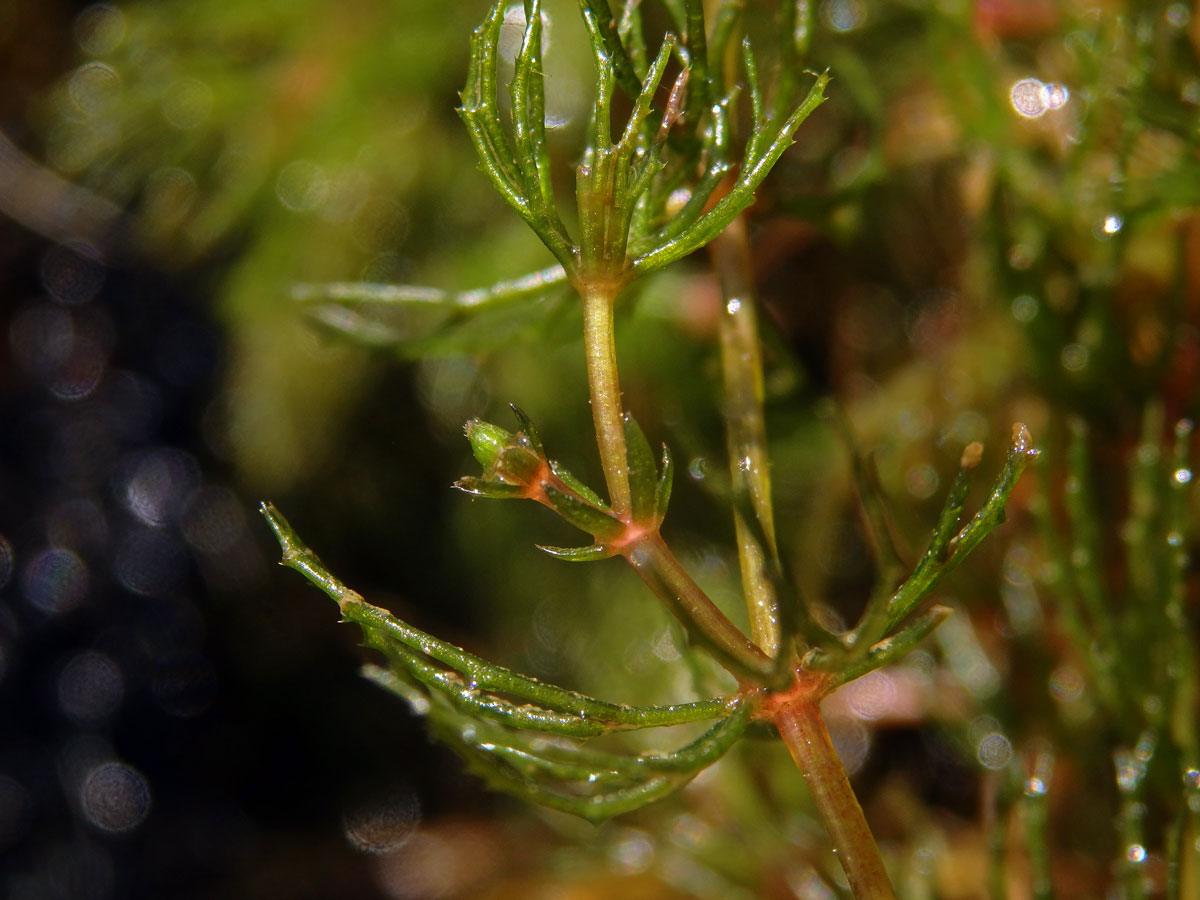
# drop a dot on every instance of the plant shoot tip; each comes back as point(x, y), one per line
point(971, 455)
point(1022, 440)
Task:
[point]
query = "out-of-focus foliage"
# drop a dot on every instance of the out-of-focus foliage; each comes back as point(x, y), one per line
point(996, 216)
point(280, 143)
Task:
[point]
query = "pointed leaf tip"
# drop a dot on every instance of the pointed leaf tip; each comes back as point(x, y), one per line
point(278, 524)
point(662, 490)
point(528, 429)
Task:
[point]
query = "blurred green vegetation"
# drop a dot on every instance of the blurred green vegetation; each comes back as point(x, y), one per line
point(938, 260)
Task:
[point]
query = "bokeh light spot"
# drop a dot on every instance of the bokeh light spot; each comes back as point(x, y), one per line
point(922, 481)
point(115, 797)
point(302, 185)
point(1074, 357)
point(149, 563)
point(159, 486)
point(1024, 308)
point(90, 687)
point(843, 15)
point(994, 751)
point(99, 29)
point(92, 87)
point(214, 521)
point(382, 823)
point(1029, 98)
point(71, 274)
point(55, 581)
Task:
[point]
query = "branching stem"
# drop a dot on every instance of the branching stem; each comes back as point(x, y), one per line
point(803, 730)
point(605, 391)
point(665, 575)
point(745, 428)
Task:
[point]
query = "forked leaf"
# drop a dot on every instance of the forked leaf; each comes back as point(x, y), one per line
point(468, 675)
point(595, 785)
point(755, 168)
point(480, 112)
point(604, 31)
point(947, 549)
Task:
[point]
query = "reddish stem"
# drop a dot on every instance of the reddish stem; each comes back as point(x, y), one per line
point(798, 718)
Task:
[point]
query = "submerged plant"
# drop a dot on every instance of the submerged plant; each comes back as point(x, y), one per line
point(669, 185)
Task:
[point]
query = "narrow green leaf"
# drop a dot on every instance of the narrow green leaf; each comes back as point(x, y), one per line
point(696, 39)
point(599, 523)
point(467, 697)
point(593, 785)
point(793, 610)
point(653, 162)
point(484, 675)
point(349, 292)
point(662, 490)
point(590, 553)
point(643, 473)
point(493, 490)
point(889, 567)
point(644, 100)
point(754, 88)
point(528, 429)
point(1021, 453)
point(602, 29)
point(570, 480)
point(888, 650)
point(712, 223)
point(726, 20)
point(629, 29)
point(527, 90)
point(593, 807)
point(598, 767)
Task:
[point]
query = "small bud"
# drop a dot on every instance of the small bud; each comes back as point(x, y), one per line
point(487, 441)
point(1022, 441)
point(971, 455)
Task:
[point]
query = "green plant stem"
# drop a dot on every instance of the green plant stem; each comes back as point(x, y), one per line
point(745, 428)
point(803, 730)
point(607, 414)
point(665, 575)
